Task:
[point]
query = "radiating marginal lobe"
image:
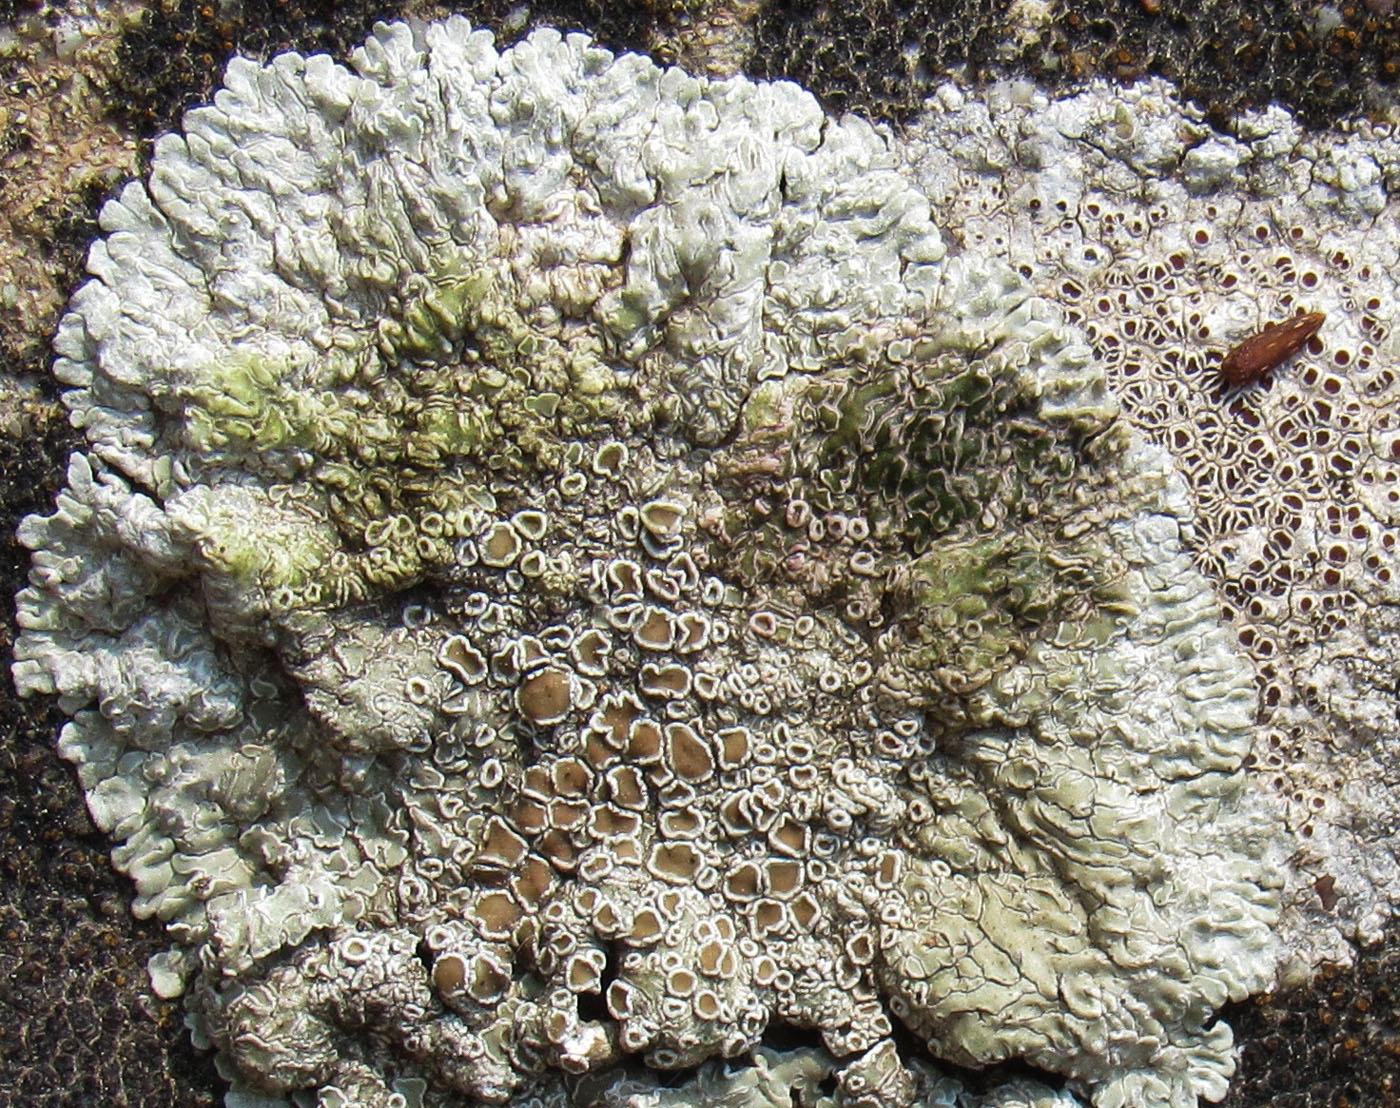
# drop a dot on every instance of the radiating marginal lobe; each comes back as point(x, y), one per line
point(1261, 354)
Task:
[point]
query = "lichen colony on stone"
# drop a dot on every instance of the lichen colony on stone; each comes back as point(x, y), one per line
point(569, 571)
point(1169, 242)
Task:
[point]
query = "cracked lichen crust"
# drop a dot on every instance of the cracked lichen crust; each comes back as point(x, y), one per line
point(569, 569)
point(1170, 242)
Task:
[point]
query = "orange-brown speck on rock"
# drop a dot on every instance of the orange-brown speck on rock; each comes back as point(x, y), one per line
point(1259, 355)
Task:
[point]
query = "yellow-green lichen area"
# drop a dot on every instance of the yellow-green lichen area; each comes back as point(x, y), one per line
point(395, 445)
point(975, 603)
point(249, 404)
point(253, 546)
point(1006, 944)
point(946, 440)
point(981, 520)
point(433, 318)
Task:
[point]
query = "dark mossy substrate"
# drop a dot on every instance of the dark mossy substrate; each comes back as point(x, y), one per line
point(80, 1028)
point(77, 1024)
point(1334, 1045)
point(877, 57)
point(882, 57)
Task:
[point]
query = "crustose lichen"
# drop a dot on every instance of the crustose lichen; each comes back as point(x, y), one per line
point(569, 568)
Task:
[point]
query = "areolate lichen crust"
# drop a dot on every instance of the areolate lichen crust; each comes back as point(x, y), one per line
point(1169, 242)
point(571, 572)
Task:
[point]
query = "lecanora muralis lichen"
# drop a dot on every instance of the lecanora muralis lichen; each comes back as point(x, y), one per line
point(570, 566)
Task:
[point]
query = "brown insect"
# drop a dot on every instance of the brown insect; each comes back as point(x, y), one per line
point(1261, 354)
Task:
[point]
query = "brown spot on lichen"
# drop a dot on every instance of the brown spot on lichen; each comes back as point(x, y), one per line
point(498, 914)
point(449, 973)
point(662, 518)
point(677, 863)
point(646, 927)
point(644, 741)
point(500, 547)
point(545, 697)
point(687, 753)
point(656, 631)
point(501, 846)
